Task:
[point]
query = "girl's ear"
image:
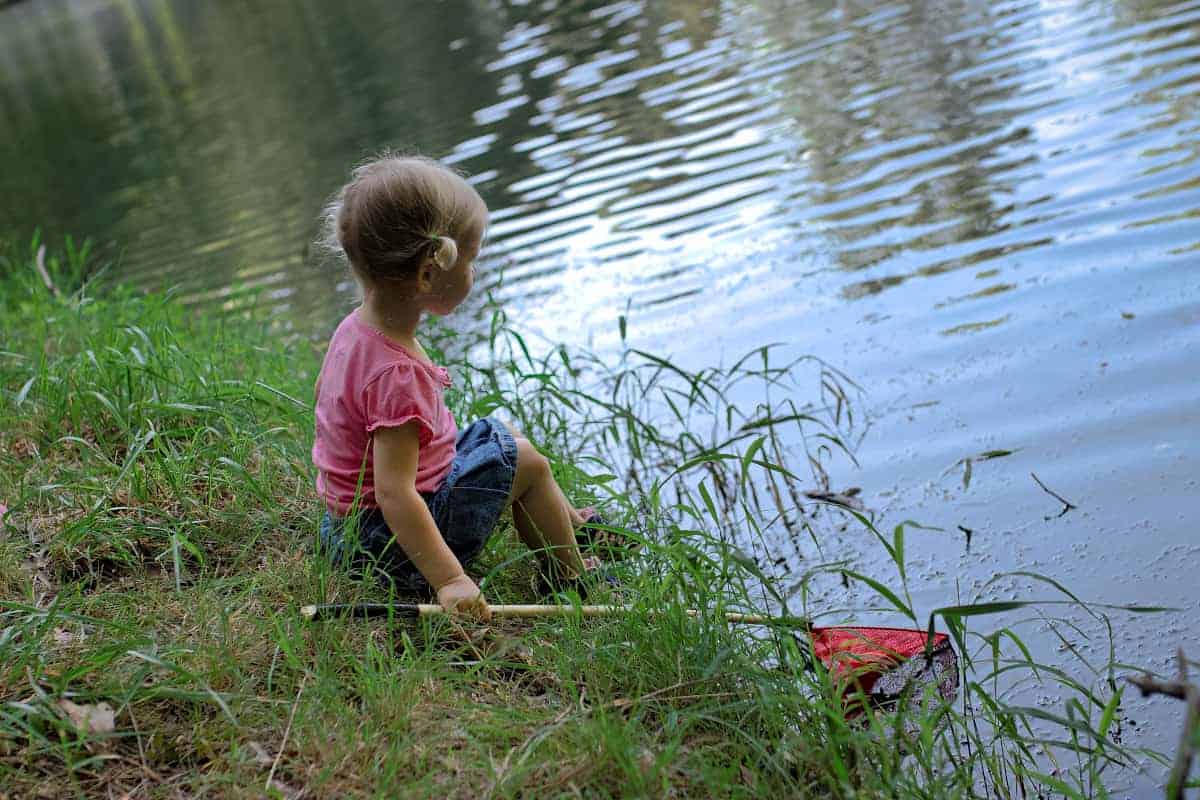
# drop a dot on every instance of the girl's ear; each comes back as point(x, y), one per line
point(425, 278)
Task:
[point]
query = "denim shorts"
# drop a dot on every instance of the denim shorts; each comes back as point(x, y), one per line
point(466, 508)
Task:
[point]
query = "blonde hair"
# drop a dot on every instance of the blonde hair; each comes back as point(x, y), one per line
point(400, 212)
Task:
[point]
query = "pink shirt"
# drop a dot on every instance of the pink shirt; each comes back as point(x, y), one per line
point(369, 381)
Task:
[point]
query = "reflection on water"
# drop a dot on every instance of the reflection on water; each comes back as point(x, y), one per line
point(954, 200)
point(652, 153)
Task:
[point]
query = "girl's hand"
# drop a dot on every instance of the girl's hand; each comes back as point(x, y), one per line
point(462, 596)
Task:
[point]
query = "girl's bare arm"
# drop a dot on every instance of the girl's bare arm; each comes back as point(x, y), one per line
point(395, 456)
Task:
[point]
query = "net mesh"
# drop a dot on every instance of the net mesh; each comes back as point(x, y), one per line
point(890, 667)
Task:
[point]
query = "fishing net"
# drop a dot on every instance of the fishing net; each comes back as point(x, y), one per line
point(890, 667)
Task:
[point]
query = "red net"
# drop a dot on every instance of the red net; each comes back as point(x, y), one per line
point(887, 665)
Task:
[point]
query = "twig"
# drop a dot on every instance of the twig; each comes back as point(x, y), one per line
point(659, 692)
point(286, 731)
point(1180, 689)
point(141, 751)
point(40, 263)
point(969, 532)
point(149, 773)
point(466, 637)
point(1067, 504)
point(624, 704)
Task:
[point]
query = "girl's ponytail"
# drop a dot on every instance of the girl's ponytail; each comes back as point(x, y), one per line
point(445, 252)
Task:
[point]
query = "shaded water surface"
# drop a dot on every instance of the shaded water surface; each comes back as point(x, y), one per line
point(987, 213)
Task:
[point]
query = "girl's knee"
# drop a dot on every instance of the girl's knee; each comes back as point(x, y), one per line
point(513, 430)
point(531, 465)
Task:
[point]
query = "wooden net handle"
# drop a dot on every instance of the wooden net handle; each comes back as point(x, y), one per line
point(414, 610)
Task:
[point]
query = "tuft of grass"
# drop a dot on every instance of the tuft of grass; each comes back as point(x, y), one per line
point(155, 461)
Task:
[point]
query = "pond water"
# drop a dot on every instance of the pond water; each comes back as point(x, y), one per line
point(988, 214)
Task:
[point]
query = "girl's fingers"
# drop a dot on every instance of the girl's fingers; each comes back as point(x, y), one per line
point(476, 608)
point(473, 608)
point(484, 611)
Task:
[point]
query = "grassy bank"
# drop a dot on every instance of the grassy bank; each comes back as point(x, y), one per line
point(159, 543)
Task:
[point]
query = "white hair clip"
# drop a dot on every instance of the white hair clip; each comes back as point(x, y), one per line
point(445, 255)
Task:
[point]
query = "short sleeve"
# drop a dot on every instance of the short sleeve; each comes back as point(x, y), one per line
point(398, 394)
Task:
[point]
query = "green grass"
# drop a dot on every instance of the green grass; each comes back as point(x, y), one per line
point(160, 541)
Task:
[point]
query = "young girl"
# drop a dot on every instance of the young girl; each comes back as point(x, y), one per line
point(407, 492)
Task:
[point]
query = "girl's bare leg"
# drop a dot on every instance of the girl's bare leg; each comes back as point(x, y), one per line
point(544, 519)
point(576, 519)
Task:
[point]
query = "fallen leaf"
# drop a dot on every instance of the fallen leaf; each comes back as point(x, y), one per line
point(261, 756)
point(647, 762)
point(91, 719)
point(278, 788)
point(503, 646)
